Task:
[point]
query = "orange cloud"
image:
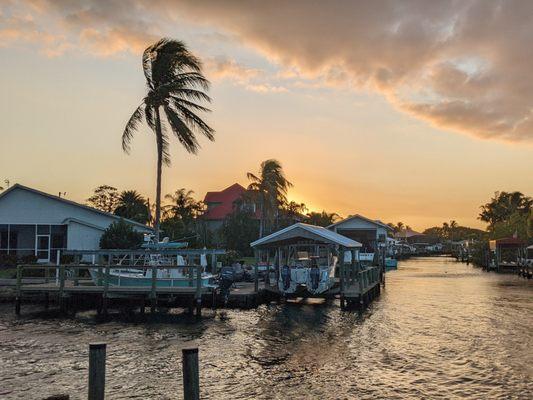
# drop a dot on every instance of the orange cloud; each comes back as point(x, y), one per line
point(463, 66)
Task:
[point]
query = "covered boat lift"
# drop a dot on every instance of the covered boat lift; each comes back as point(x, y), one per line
point(506, 253)
point(295, 253)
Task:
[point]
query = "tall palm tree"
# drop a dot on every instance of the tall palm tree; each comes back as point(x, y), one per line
point(175, 85)
point(270, 189)
point(133, 206)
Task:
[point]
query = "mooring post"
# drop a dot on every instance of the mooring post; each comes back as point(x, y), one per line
point(198, 295)
point(153, 294)
point(143, 304)
point(256, 279)
point(62, 305)
point(106, 286)
point(19, 289)
point(97, 354)
point(191, 374)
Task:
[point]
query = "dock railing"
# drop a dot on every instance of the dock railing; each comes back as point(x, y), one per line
point(69, 280)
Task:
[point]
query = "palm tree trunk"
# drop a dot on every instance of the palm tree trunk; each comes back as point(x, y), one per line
point(159, 139)
point(261, 219)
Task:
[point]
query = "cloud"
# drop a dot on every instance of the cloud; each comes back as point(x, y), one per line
point(225, 68)
point(266, 88)
point(460, 65)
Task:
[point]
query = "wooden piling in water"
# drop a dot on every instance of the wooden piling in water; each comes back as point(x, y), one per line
point(191, 374)
point(97, 355)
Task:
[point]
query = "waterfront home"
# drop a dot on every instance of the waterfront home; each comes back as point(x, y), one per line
point(35, 223)
point(222, 203)
point(364, 230)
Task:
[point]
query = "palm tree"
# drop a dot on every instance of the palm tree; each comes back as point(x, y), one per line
point(183, 205)
point(175, 85)
point(452, 227)
point(321, 218)
point(270, 189)
point(133, 206)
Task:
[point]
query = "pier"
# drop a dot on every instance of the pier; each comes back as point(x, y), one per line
point(72, 284)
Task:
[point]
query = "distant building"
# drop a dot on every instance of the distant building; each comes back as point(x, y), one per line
point(37, 223)
point(412, 237)
point(221, 204)
point(364, 230)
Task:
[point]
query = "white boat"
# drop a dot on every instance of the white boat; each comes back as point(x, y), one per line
point(166, 277)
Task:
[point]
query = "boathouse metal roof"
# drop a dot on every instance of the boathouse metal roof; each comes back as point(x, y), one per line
point(306, 231)
point(363, 218)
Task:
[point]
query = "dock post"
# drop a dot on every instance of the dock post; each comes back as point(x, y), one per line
point(19, 290)
point(106, 286)
point(191, 374)
point(97, 354)
point(256, 279)
point(198, 295)
point(153, 293)
point(143, 304)
point(62, 305)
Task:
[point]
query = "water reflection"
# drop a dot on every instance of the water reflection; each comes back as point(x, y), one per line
point(439, 330)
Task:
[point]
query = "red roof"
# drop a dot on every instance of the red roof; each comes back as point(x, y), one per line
point(225, 199)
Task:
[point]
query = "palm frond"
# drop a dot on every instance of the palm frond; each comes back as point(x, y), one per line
point(187, 93)
point(187, 103)
point(182, 132)
point(195, 123)
point(132, 125)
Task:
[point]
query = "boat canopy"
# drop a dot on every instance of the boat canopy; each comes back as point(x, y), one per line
point(300, 230)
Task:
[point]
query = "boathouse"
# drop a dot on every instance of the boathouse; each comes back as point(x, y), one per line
point(301, 251)
point(35, 223)
point(364, 230)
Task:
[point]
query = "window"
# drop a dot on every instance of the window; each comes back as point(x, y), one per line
point(21, 237)
point(43, 229)
point(59, 237)
point(4, 237)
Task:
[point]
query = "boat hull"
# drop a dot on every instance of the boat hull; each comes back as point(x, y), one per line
point(138, 280)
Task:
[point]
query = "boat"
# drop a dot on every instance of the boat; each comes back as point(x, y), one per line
point(178, 273)
point(305, 273)
point(391, 263)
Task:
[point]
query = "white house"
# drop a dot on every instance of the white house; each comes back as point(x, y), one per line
point(366, 231)
point(37, 223)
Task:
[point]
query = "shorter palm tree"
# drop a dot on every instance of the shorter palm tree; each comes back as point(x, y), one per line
point(182, 205)
point(133, 206)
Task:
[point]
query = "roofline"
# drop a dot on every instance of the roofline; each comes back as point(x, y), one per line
point(361, 217)
point(260, 241)
point(72, 203)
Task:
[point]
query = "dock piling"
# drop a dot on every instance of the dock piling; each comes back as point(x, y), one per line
point(97, 355)
point(191, 374)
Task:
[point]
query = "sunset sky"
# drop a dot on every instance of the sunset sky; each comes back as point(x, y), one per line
point(413, 111)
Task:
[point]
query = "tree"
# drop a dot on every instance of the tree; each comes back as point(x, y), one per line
point(105, 198)
point(175, 86)
point(132, 205)
point(452, 227)
point(322, 218)
point(120, 235)
point(183, 205)
point(290, 213)
point(270, 190)
point(515, 224)
point(239, 229)
point(503, 205)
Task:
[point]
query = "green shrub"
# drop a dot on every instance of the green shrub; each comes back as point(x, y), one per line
point(121, 235)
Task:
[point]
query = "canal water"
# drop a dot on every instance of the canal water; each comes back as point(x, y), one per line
point(440, 330)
